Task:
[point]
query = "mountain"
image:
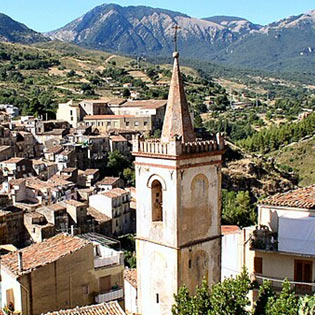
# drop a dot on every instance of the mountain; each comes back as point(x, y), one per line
point(286, 45)
point(15, 32)
point(144, 30)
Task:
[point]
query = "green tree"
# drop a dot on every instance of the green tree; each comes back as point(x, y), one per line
point(265, 292)
point(237, 209)
point(130, 176)
point(183, 303)
point(126, 93)
point(285, 304)
point(307, 305)
point(117, 162)
point(231, 296)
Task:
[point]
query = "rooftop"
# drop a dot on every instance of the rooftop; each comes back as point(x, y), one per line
point(299, 198)
point(109, 181)
point(118, 138)
point(116, 192)
point(98, 216)
point(91, 171)
point(101, 117)
point(110, 308)
point(146, 104)
point(131, 276)
point(44, 253)
point(13, 160)
point(229, 229)
point(75, 203)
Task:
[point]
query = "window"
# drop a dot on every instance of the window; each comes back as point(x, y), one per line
point(258, 262)
point(189, 263)
point(85, 289)
point(136, 123)
point(303, 273)
point(108, 123)
point(145, 123)
point(127, 123)
point(71, 112)
point(157, 298)
point(157, 201)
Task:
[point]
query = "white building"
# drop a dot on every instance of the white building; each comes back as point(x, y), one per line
point(178, 182)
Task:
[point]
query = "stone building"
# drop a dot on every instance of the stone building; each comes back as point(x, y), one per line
point(115, 204)
point(76, 271)
point(178, 182)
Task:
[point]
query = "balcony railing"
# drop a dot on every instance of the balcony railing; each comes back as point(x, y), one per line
point(298, 287)
point(264, 239)
point(100, 262)
point(110, 296)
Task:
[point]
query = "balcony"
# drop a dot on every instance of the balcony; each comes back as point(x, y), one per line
point(100, 262)
point(114, 294)
point(264, 239)
point(300, 288)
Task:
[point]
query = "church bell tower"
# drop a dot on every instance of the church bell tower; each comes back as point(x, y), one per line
point(178, 182)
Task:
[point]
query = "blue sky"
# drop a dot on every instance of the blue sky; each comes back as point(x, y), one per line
point(46, 15)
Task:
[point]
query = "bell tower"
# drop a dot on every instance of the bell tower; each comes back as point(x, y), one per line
point(178, 182)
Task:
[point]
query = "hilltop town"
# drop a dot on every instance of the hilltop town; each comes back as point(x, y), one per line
point(129, 186)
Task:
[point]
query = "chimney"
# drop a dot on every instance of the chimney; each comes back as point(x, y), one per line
point(20, 261)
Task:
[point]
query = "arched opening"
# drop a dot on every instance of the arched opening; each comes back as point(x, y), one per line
point(157, 201)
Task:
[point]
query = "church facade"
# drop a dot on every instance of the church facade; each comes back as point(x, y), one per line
point(178, 181)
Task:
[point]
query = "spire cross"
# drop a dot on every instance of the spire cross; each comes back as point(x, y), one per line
point(176, 28)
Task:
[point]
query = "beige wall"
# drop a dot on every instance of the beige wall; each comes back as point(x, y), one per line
point(63, 285)
point(186, 245)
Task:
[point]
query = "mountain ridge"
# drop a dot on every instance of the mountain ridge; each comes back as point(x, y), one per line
point(285, 45)
point(15, 32)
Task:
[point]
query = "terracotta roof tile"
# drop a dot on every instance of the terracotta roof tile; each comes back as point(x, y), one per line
point(118, 138)
point(13, 160)
point(110, 308)
point(98, 216)
point(109, 181)
point(41, 254)
point(101, 117)
point(91, 171)
point(131, 276)
point(229, 229)
point(299, 198)
point(116, 192)
point(75, 203)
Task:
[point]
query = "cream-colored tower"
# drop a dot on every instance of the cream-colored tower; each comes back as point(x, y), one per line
point(178, 181)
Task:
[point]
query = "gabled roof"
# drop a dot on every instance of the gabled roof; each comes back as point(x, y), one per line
point(299, 198)
point(44, 253)
point(177, 120)
point(110, 308)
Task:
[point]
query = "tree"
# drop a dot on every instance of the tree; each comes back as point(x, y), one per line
point(130, 176)
point(126, 93)
point(265, 292)
point(307, 305)
point(285, 304)
point(228, 297)
point(117, 162)
point(183, 303)
point(236, 208)
point(231, 296)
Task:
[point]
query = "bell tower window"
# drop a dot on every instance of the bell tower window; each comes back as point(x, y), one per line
point(157, 201)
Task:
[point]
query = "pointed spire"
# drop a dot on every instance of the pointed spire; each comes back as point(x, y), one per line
point(177, 121)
